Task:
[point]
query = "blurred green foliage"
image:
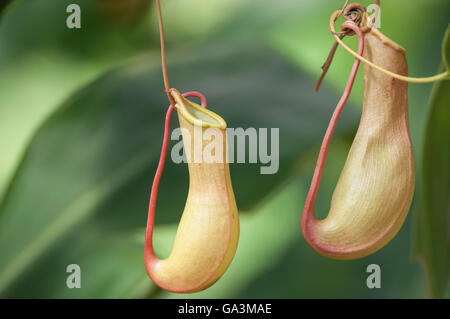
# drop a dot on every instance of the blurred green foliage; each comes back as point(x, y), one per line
point(432, 233)
point(81, 119)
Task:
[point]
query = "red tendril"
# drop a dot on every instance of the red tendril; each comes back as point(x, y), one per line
point(149, 252)
point(308, 210)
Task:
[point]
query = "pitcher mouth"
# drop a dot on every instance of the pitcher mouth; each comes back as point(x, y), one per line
point(195, 114)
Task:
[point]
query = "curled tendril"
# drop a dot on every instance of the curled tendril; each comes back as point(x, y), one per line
point(367, 28)
point(353, 12)
point(357, 13)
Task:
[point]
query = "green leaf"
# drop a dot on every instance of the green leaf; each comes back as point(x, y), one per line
point(446, 49)
point(42, 61)
point(431, 240)
point(3, 5)
point(110, 263)
point(432, 233)
point(94, 159)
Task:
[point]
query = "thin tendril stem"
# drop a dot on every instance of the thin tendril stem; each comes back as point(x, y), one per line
point(163, 53)
point(326, 65)
point(308, 210)
point(434, 78)
point(343, 8)
point(148, 251)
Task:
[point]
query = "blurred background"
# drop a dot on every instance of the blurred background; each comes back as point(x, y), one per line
point(81, 124)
